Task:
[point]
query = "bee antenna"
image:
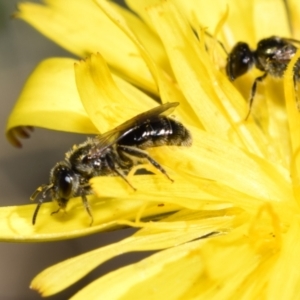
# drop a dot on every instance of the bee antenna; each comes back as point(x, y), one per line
point(42, 189)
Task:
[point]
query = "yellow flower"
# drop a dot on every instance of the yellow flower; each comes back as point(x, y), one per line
point(234, 228)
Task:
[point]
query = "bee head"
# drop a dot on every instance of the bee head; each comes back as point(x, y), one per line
point(63, 185)
point(65, 182)
point(239, 61)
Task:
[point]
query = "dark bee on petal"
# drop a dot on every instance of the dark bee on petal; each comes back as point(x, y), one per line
point(113, 153)
point(272, 56)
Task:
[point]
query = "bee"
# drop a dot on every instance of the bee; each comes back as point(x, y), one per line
point(113, 153)
point(272, 56)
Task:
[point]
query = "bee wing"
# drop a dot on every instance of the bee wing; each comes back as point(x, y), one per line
point(113, 136)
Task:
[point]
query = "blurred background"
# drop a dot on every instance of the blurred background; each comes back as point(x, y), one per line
point(23, 170)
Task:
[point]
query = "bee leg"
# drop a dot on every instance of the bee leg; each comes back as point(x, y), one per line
point(138, 153)
point(124, 177)
point(114, 166)
point(253, 92)
point(87, 208)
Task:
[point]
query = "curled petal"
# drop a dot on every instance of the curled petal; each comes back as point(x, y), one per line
point(50, 100)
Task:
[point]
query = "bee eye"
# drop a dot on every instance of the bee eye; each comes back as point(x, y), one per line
point(63, 180)
point(239, 61)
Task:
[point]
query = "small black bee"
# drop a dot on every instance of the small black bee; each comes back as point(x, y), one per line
point(271, 56)
point(113, 153)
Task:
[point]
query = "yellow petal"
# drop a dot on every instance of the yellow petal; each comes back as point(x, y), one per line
point(189, 9)
point(190, 72)
point(260, 178)
point(291, 98)
point(207, 14)
point(193, 71)
point(168, 89)
point(194, 11)
point(140, 8)
point(255, 24)
point(50, 100)
point(156, 188)
point(273, 10)
point(146, 36)
point(240, 13)
point(16, 221)
point(62, 275)
point(50, 280)
point(284, 266)
point(293, 10)
point(155, 277)
point(270, 110)
point(292, 107)
point(107, 104)
point(82, 28)
point(244, 264)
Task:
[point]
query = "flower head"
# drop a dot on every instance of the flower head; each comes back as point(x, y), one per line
point(230, 221)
